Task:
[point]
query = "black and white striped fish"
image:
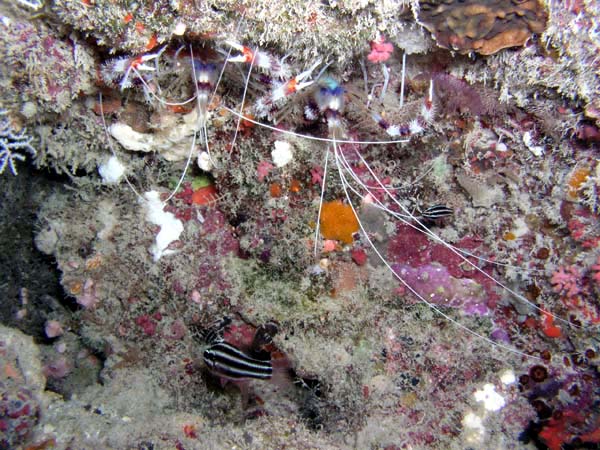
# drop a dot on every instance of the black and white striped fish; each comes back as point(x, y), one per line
point(229, 362)
point(437, 212)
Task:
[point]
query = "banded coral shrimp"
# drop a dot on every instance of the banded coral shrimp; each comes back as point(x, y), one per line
point(202, 69)
point(360, 182)
point(329, 103)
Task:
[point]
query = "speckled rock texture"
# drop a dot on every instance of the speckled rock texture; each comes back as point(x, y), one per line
point(445, 296)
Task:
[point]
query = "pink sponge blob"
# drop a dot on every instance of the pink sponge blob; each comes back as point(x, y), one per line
point(380, 50)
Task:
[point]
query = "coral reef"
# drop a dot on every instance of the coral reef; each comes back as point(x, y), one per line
point(200, 140)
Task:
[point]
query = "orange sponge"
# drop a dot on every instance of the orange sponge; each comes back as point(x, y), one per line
point(338, 221)
point(576, 180)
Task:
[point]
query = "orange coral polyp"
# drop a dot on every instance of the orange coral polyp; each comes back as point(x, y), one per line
point(576, 180)
point(338, 222)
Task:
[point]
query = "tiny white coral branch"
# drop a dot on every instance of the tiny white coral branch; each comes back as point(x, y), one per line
point(10, 142)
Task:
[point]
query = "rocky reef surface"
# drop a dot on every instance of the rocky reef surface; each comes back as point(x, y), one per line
point(392, 204)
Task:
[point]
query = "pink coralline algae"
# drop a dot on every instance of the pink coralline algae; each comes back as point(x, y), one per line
point(147, 323)
point(176, 331)
point(596, 269)
point(240, 334)
point(410, 248)
point(575, 289)
point(434, 283)
point(316, 175)
point(263, 169)
point(583, 228)
point(18, 415)
point(566, 281)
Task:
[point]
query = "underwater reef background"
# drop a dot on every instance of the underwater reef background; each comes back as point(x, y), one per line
point(393, 206)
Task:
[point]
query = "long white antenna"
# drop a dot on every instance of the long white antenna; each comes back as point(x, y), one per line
point(403, 76)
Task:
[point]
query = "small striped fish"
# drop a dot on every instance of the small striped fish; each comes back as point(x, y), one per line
point(437, 212)
point(230, 362)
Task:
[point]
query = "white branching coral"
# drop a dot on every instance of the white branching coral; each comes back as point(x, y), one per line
point(10, 144)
